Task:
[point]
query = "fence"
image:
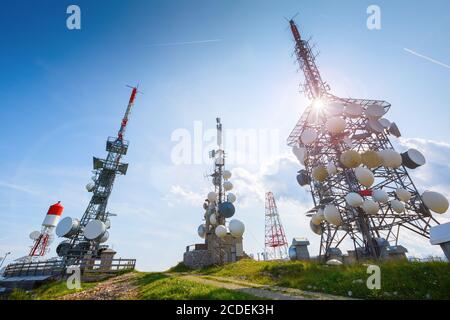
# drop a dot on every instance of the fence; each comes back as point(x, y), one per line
point(54, 268)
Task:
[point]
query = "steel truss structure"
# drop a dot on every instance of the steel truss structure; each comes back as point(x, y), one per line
point(105, 172)
point(364, 231)
point(275, 242)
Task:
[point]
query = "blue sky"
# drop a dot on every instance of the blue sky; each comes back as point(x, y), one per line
point(63, 93)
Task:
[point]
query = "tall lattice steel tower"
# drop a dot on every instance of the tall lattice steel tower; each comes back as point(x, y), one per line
point(276, 245)
point(85, 236)
point(359, 184)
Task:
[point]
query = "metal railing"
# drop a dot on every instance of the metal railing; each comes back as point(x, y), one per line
point(55, 268)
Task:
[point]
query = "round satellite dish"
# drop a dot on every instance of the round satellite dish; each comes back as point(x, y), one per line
point(403, 194)
point(335, 125)
point(308, 136)
point(226, 209)
point(231, 197)
point(350, 159)
point(226, 174)
point(67, 227)
point(393, 129)
point(353, 110)
point(300, 154)
point(413, 158)
point(320, 173)
point(212, 197)
point(213, 219)
point(63, 248)
point(353, 199)
point(334, 109)
point(303, 178)
point(380, 195)
point(332, 215)
point(320, 214)
point(105, 237)
point(390, 158)
point(374, 111)
point(201, 231)
point(385, 123)
point(364, 176)
point(35, 235)
point(331, 168)
point(374, 126)
point(94, 230)
point(317, 219)
point(371, 159)
point(317, 229)
point(220, 231)
point(237, 228)
point(397, 206)
point(370, 207)
point(435, 201)
point(227, 185)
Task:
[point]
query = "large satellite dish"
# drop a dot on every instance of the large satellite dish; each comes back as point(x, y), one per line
point(67, 227)
point(94, 230)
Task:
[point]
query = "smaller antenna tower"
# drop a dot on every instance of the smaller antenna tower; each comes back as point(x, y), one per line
point(276, 245)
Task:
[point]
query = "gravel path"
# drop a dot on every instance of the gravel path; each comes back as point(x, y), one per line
point(118, 288)
point(262, 291)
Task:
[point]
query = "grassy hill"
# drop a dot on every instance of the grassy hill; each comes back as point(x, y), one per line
point(399, 280)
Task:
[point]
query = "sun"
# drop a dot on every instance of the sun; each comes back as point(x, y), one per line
point(318, 104)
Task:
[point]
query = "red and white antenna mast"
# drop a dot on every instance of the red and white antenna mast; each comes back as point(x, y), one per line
point(276, 245)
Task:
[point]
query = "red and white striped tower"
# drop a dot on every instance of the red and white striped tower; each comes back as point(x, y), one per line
point(43, 239)
point(276, 245)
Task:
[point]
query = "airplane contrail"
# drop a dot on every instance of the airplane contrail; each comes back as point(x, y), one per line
point(168, 44)
point(427, 58)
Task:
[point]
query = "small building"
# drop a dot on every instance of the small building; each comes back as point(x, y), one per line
point(299, 249)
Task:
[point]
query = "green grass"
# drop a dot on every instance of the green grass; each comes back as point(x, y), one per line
point(399, 279)
point(54, 290)
point(158, 286)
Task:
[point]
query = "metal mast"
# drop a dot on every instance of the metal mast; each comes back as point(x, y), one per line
point(105, 171)
point(366, 232)
point(276, 245)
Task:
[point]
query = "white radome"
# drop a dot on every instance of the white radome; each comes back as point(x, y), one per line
point(316, 219)
point(213, 219)
point(94, 230)
point(435, 201)
point(385, 123)
point(237, 228)
point(212, 197)
point(90, 186)
point(308, 136)
point(231, 197)
point(370, 207)
point(35, 235)
point(397, 206)
point(300, 154)
point(380, 195)
point(227, 185)
point(403, 194)
point(332, 215)
point(220, 231)
point(201, 231)
point(320, 214)
point(226, 174)
point(390, 158)
point(331, 168)
point(364, 176)
point(335, 125)
point(353, 199)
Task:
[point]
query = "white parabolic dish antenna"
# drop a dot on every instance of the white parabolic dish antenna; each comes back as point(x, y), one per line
point(94, 230)
point(35, 235)
point(67, 227)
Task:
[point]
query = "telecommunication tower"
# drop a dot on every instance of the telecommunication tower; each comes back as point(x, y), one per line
point(276, 245)
point(86, 236)
point(359, 184)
